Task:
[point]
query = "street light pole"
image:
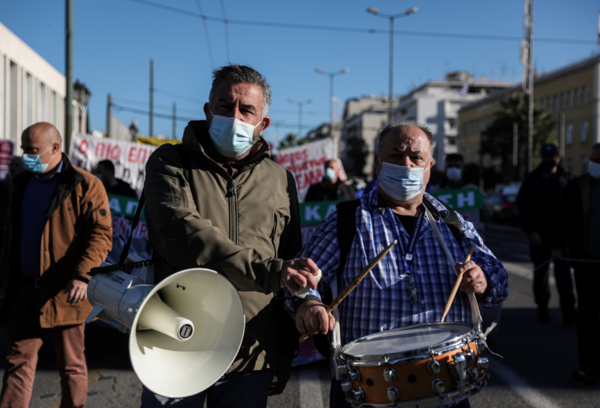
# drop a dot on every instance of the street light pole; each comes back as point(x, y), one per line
point(300, 104)
point(331, 97)
point(376, 12)
point(69, 76)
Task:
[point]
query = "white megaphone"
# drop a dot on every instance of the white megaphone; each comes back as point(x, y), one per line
point(185, 331)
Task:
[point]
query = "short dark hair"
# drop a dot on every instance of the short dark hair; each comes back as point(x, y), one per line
point(455, 157)
point(242, 74)
point(108, 166)
point(400, 126)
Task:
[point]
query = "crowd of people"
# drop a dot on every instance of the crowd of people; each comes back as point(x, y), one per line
point(219, 193)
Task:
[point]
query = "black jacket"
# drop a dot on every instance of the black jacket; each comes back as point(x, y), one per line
point(571, 220)
point(539, 197)
point(325, 191)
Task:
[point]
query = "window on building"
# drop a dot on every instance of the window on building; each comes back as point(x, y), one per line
point(452, 123)
point(555, 102)
point(570, 100)
point(28, 100)
point(569, 133)
point(584, 161)
point(549, 103)
point(563, 100)
point(54, 109)
point(585, 94)
point(43, 103)
point(584, 130)
point(451, 140)
point(577, 95)
point(471, 155)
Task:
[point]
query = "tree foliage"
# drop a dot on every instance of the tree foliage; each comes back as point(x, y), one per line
point(498, 137)
point(291, 140)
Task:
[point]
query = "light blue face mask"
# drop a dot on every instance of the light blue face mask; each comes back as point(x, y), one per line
point(454, 174)
point(32, 162)
point(330, 174)
point(400, 182)
point(231, 137)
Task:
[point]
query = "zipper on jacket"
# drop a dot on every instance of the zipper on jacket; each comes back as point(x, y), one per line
point(233, 210)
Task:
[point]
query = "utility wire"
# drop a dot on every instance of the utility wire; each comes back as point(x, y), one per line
point(188, 98)
point(140, 103)
point(226, 30)
point(360, 30)
point(210, 54)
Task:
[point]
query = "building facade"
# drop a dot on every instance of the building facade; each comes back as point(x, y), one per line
point(435, 104)
point(573, 90)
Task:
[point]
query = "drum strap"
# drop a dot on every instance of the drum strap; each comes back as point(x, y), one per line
point(475, 314)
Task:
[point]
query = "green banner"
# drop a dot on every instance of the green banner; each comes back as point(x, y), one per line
point(315, 212)
point(121, 205)
point(462, 199)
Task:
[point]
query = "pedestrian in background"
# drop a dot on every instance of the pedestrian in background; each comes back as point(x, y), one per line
point(331, 187)
point(105, 171)
point(538, 201)
point(578, 218)
point(58, 227)
point(15, 168)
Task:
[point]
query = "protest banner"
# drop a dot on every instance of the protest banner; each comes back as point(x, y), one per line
point(306, 162)
point(129, 158)
point(468, 202)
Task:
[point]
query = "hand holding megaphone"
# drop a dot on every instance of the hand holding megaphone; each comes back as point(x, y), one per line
point(299, 273)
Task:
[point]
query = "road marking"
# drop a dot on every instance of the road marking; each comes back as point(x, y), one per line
point(310, 389)
point(526, 272)
point(520, 386)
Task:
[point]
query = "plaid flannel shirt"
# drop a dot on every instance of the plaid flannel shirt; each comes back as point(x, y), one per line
point(381, 301)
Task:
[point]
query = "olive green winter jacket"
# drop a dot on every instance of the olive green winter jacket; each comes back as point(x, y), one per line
point(242, 226)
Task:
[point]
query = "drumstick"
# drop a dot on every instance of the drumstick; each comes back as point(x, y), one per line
point(457, 284)
point(354, 283)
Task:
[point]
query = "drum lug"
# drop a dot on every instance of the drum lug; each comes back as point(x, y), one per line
point(459, 366)
point(437, 386)
point(433, 366)
point(358, 394)
point(484, 363)
point(347, 386)
point(389, 374)
point(473, 374)
point(469, 354)
point(342, 370)
point(355, 376)
point(480, 346)
point(393, 394)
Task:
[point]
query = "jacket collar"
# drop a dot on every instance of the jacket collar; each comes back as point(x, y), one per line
point(433, 205)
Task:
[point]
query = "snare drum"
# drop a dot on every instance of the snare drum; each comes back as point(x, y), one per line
point(420, 366)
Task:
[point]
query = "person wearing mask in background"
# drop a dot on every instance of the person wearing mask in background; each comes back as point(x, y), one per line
point(15, 168)
point(105, 171)
point(217, 201)
point(538, 201)
point(331, 187)
point(58, 227)
point(578, 219)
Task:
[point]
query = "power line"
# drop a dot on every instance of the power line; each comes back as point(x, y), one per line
point(188, 98)
point(212, 61)
point(226, 30)
point(359, 30)
point(140, 103)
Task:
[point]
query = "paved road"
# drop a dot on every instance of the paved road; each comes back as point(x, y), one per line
point(535, 371)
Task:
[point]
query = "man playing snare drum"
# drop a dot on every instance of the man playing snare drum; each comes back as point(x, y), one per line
point(413, 281)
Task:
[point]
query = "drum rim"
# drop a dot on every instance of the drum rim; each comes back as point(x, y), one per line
point(460, 339)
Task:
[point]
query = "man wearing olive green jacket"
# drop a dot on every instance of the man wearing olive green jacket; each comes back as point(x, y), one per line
point(217, 201)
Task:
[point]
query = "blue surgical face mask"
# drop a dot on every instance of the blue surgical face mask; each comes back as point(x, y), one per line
point(400, 182)
point(594, 169)
point(231, 137)
point(32, 162)
point(454, 174)
point(330, 174)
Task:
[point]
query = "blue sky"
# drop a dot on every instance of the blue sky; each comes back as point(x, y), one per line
point(114, 41)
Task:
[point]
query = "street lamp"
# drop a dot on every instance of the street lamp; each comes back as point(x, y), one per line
point(82, 96)
point(276, 124)
point(331, 106)
point(376, 12)
point(300, 104)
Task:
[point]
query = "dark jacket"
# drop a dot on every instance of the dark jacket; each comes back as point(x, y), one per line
point(571, 220)
point(76, 238)
point(242, 227)
point(122, 189)
point(539, 198)
point(325, 191)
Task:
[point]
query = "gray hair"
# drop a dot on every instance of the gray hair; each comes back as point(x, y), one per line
point(242, 74)
point(400, 126)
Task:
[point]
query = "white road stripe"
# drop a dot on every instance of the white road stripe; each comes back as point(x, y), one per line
point(310, 389)
point(520, 386)
point(526, 272)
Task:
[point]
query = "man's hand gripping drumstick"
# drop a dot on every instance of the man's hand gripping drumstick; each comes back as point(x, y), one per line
point(470, 280)
point(313, 316)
